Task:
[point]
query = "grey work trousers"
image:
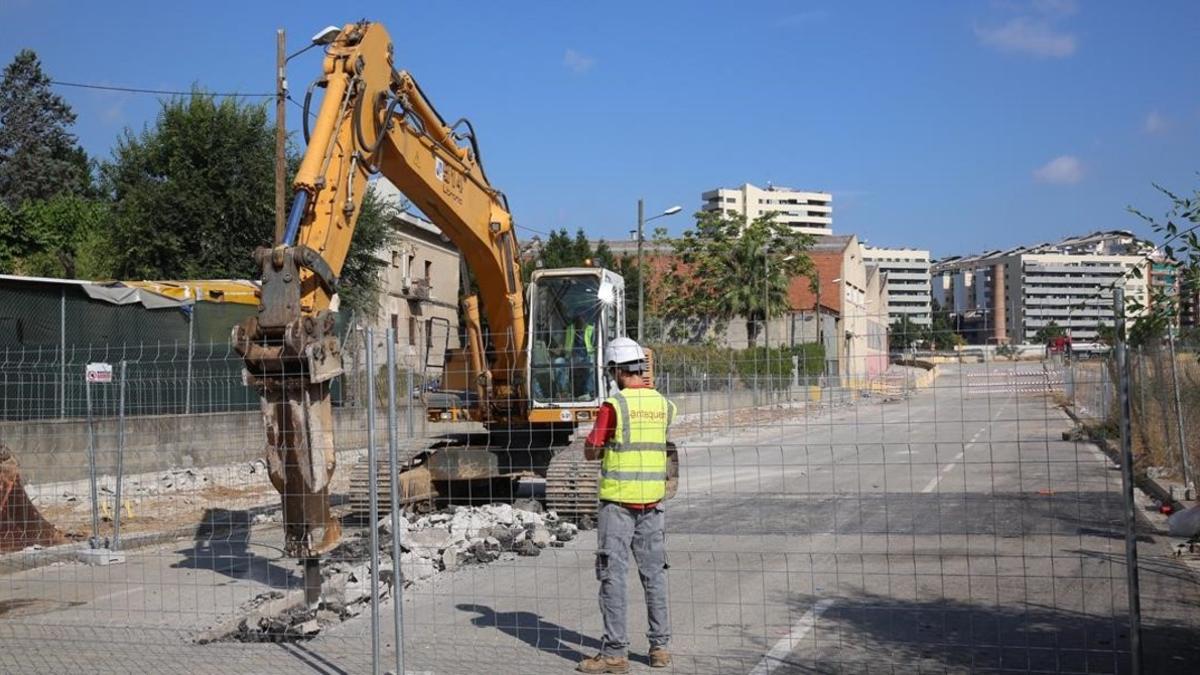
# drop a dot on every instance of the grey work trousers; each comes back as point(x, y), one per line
point(618, 531)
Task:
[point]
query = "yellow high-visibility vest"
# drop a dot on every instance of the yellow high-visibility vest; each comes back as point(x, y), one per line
point(589, 338)
point(634, 468)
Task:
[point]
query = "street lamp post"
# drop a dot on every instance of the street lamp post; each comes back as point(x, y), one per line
point(642, 220)
point(326, 36)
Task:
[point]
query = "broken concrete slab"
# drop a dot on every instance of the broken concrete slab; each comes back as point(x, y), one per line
point(540, 537)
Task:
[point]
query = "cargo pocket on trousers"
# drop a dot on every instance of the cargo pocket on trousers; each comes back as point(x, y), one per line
point(601, 565)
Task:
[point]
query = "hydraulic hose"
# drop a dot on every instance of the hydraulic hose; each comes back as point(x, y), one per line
point(299, 203)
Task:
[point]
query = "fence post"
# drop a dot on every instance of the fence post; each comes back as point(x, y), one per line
point(1141, 384)
point(409, 423)
point(1131, 554)
point(1185, 461)
point(373, 497)
point(729, 399)
point(91, 445)
point(116, 542)
point(187, 394)
point(62, 352)
point(394, 493)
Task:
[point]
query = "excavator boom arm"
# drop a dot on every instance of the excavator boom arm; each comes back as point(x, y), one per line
point(372, 119)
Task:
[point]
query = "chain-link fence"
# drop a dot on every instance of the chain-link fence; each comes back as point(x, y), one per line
point(933, 513)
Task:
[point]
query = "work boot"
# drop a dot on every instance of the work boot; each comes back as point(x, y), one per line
point(604, 664)
point(659, 657)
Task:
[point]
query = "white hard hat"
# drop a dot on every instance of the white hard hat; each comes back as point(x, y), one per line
point(626, 354)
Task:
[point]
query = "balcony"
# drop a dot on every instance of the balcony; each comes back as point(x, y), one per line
point(415, 289)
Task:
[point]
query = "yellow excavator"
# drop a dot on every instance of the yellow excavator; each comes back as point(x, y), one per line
point(511, 374)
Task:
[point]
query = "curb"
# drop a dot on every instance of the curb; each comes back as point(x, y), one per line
point(20, 561)
point(1143, 482)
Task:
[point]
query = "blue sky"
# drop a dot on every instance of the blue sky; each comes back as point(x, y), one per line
point(954, 126)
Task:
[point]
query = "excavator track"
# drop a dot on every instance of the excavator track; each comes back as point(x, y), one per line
point(573, 483)
point(416, 486)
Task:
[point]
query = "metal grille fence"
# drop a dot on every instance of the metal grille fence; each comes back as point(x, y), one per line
point(956, 512)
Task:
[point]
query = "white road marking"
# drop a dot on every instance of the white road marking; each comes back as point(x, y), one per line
point(932, 485)
point(774, 658)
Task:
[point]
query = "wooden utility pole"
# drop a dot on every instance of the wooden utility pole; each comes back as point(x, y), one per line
point(280, 132)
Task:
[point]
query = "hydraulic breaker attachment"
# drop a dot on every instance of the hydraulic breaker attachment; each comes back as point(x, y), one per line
point(290, 361)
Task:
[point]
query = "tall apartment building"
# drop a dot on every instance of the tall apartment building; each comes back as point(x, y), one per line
point(906, 274)
point(1069, 283)
point(807, 212)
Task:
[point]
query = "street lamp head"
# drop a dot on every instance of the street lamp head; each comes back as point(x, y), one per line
point(327, 35)
point(672, 211)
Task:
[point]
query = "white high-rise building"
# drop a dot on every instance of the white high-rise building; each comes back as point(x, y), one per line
point(1010, 295)
point(807, 212)
point(907, 275)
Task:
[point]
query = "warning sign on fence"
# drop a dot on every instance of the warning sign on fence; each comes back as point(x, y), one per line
point(99, 372)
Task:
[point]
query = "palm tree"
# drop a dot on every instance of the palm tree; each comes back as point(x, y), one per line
point(740, 269)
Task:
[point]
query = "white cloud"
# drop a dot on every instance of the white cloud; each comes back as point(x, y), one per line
point(1029, 36)
point(1155, 123)
point(1064, 169)
point(577, 63)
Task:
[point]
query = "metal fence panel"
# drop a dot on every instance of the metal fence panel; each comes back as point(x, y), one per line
point(943, 513)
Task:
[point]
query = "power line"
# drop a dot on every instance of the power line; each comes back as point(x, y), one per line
point(169, 92)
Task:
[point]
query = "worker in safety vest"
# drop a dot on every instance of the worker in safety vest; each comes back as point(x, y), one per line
point(580, 346)
point(630, 439)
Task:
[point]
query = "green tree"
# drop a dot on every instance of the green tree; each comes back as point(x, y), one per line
point(361, 281)
point(65, 236)
point(603, 256)
point(39, 155)
point(904, 333)
point(941, 330)
point(736, 269)
point(1180, 244)
point(1048, 332)
point(560, 250)
point(193, 194)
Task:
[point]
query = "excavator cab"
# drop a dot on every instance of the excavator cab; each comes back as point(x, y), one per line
point(573, 313)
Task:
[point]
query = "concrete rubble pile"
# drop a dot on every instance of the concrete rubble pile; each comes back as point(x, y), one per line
point(430, 544)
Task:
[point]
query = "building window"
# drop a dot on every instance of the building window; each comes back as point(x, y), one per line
point(412, 331)
point(396, 328)
point(395, 258)
point(428, 271)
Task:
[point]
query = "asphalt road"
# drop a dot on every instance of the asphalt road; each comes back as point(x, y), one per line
point(949, 532)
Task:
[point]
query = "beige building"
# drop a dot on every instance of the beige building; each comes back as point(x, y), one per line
point(420, 301)
point(807, 212)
